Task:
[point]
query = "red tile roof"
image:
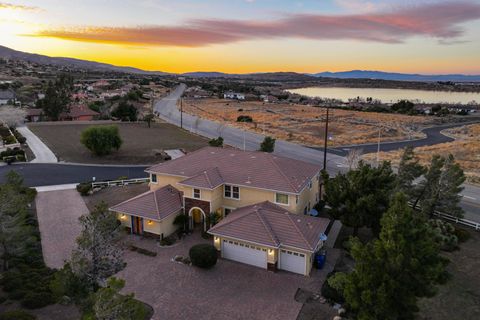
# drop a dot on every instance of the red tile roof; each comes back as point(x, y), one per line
point(271, 225)
point(154, 205)
point(78, 110)
point(243, 168)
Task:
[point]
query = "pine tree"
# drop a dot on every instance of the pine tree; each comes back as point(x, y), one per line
point(440, 190)
point(57, 97)
point(393, 271)
point(15, 233)
point(408, 171)
point(359, 197)
point(98, 254)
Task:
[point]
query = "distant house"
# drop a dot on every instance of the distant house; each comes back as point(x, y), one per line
point(7, 97)
point(234, 96)
point(78, 112)
point(34, 115)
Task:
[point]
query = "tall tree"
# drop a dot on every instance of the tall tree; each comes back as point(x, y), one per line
point(98, 255)
point(440, 190)
point(359, 197)
point(15, 233)
point(57, 97)
point(392, 272)
point(111, 305)
point(408, 171)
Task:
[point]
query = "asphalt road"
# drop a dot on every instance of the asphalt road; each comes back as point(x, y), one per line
point(43, 174)
point(433, 136)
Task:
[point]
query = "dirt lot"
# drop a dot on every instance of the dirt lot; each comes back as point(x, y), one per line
point(466, 150)
point(305, 124)
point(460, 297)
point(139, 142)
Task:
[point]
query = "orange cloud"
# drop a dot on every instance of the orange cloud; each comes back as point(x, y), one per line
point(5, 5)
point(439, 20)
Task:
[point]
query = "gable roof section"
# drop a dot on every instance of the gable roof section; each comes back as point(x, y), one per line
point(244, 168)
point(270, 225)
point(208, 179)
point(154, 205)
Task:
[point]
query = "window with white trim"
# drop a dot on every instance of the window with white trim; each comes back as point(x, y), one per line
point(196, 193)
point(226, 211)
point(281, 198)
point(232, 192)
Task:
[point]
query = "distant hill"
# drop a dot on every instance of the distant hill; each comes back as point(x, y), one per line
point(266, 76)
point(8, 53)
point(363, 74)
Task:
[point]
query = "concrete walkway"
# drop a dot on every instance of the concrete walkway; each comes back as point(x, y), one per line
point(42, 153)
point(58, 212)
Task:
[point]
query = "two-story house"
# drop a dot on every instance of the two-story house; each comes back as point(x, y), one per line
point(278, 191)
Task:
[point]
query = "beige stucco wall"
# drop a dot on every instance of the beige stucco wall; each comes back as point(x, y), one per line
point(125, 220)
point(248, 196)
point(152, 226)
point(165, 226)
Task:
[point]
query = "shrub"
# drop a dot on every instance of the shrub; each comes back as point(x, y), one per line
point(17, 315)
point(125, 112)
point(84, 188)
point(35, 300)
point(101, 140)
point(216, 142)
point(3, 299)
point(444, 234)
point(330, 293)
point(268, 145)
point(180, 221)
point(203, 255)
point(168, 241)
point(244, 118)
point(9, 140)
point(462, 235)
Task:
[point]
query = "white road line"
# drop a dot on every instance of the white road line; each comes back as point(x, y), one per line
point(471, 198)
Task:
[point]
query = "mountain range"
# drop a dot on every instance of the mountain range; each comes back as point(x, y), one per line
point(379, 75)
point(12, 54)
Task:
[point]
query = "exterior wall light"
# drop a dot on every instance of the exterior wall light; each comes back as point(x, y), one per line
point(149, 222)
point(123, 217)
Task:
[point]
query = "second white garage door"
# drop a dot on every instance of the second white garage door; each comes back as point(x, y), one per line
point(244, 253)
point(292, 261)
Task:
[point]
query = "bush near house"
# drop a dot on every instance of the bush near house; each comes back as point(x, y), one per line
point(203, 255)
point(84, 188)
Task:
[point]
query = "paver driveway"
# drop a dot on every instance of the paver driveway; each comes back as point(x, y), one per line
point(58, 213)
point(228, 291)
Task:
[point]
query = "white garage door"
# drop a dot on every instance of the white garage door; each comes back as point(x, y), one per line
point(244, 253)
point(292, 261)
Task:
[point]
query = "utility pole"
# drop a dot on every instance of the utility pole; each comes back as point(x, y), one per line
point(325, 142)
point(181, 113)
point(378, 146)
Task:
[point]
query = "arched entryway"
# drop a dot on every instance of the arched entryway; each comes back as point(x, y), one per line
point(196, 217)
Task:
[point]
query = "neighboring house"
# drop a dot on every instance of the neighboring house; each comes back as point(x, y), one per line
point(78, 112)
point(216, 181)
point(268, 236)
point(234, 95)
point(34, 115)
point(7, 97)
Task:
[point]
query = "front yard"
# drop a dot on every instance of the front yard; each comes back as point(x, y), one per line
point(140, 143)
point(229, 290)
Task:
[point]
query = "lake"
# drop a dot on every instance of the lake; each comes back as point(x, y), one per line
point(389, 95)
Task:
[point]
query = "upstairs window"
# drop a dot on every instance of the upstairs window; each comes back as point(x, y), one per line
point(281, 198)
point(232, 192)
point(154, 178)
point(196, 193)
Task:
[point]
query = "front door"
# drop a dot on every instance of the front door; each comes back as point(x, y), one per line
point(137, 225)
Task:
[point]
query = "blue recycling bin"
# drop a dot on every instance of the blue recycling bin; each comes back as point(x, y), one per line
point(320, 259)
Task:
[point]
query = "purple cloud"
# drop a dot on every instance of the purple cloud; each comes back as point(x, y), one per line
point(439, 20)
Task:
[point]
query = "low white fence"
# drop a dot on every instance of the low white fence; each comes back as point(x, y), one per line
point(117, 183)
point(465, 222)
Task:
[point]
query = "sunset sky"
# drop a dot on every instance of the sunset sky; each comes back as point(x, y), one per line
point(243, 36)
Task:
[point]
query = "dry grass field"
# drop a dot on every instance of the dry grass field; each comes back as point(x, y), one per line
point(305, 124)
point(140, 143)
point(465, 149)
